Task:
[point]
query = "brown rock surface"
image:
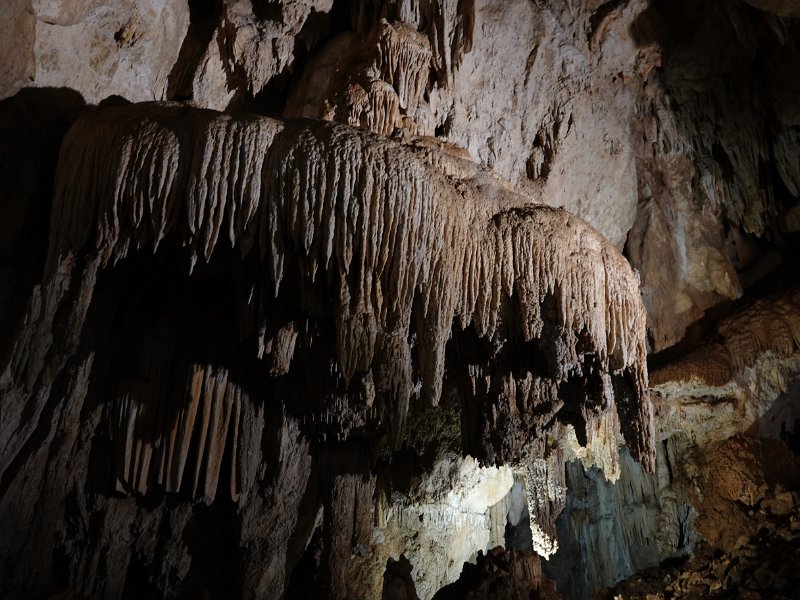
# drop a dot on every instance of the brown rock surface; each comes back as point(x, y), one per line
point(770, 324)
point(764, 564)
point(257, 351)
point(501, 574)
point(98, 49)
point(736, 479)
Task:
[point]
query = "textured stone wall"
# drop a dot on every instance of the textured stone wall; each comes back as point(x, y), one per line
point(372, 279)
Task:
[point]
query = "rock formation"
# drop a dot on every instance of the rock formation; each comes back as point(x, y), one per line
point(750, 519)
point(501, 574)
point(315, 298)
point(351, 257)
point(739, 381)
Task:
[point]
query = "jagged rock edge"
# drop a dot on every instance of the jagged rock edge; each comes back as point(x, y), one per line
point(379, 220)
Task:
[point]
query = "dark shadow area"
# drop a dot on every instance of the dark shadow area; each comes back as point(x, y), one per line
point(32, 125)
point(213, 544)
point(162, 322)
point(305, 581)
point(137, 585)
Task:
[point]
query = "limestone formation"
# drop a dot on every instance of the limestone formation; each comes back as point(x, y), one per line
point(408, 252)
point(740, 382)
point(525, 87)
point(322, 298)
point(388, 73)
point(770, 324)
point(738, 477)
point(762, 566)
point(501, 574)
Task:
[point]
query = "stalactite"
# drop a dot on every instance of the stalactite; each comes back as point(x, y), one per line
point(404, 58)
point(387, 72)
point(155, 435)
point(373, 105)
point(546, 489)
point(409, 245)
point(449, 26)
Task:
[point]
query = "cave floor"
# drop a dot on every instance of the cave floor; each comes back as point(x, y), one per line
point(765, 565)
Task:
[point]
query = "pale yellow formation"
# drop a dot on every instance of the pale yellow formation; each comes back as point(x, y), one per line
point(404, 58)
point(387, 74)
point(770, 324)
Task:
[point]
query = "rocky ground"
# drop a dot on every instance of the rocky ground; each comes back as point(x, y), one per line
point(764, 565)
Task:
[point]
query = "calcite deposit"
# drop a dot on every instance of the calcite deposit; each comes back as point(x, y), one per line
point(750, 515)
point(401, 299)
point(390, 253)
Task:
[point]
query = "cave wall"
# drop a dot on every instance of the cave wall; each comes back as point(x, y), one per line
point(712, 406)
point(371, 208)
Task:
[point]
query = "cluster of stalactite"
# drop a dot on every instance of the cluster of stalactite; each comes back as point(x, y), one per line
point(388, 71)
point(359, 259)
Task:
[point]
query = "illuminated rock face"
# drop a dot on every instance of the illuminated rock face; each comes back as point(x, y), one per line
point(672, 130)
